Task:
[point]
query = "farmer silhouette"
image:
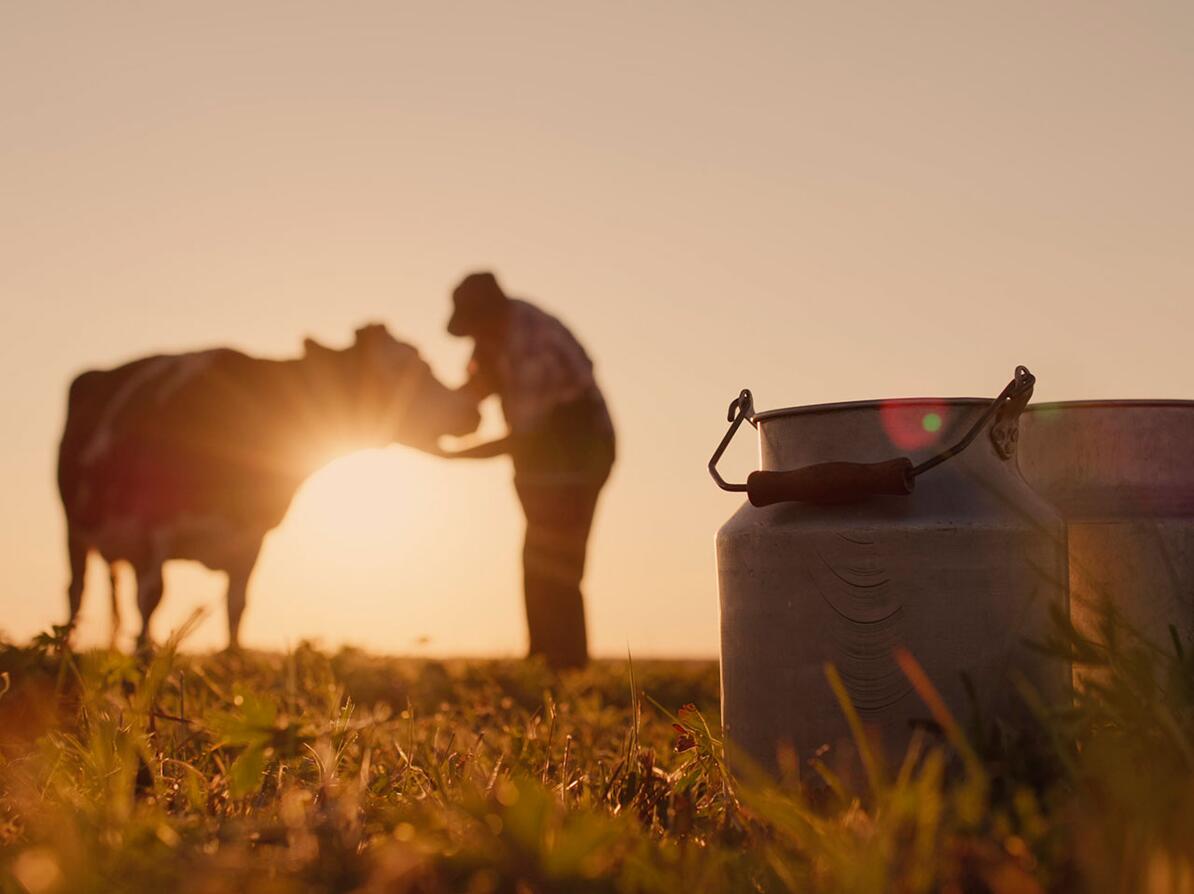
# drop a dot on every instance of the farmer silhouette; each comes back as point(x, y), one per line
point(561, 441)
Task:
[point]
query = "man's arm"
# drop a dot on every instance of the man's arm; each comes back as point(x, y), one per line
point(488, 450)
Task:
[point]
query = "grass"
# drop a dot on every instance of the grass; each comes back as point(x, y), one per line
point(349, 772)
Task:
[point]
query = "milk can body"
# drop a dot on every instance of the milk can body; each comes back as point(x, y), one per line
point(1121, 473)
point(961, 573)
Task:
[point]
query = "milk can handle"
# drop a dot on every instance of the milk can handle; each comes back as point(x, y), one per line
point(844, 482)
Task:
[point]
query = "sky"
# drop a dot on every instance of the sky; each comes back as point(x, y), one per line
point(820, 201)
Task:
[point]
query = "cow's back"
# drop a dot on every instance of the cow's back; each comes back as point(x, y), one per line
point(174, 435)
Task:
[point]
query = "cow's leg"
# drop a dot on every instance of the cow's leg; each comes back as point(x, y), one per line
point(238, 585)
point(76, 550)
point(115, 594)
point(149, 595)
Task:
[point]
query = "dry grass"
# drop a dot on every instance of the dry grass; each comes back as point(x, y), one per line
point(345, 772)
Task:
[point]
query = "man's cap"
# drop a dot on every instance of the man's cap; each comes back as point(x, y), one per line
point(475, 300)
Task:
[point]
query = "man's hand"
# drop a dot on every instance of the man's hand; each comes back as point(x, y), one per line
point(488, 450)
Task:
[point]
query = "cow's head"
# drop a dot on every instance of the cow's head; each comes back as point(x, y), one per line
point(386, 392)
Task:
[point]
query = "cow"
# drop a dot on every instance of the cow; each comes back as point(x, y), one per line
point(198, 455)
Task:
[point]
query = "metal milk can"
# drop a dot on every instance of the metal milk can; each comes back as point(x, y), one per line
point(1122, 475)
point(843, 555)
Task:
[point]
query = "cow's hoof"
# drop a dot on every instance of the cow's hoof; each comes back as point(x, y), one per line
point(145, 650)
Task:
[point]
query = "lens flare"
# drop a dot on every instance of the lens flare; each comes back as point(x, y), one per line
point(914, 426)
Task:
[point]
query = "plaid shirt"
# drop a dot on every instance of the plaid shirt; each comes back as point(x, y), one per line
point(540, 367)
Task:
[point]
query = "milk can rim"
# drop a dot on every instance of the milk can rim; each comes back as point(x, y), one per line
point(1112, 404)
point(1093, 404)
point(934, 402)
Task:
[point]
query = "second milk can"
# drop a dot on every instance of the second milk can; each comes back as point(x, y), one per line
point(1121, 472)
point(844, 555)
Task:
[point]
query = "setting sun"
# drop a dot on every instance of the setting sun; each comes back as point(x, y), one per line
point(358, 507)
point(373, 553)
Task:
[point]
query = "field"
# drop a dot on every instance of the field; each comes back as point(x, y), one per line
point(347, 772)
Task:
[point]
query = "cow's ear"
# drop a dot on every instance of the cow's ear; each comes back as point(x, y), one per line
point(312, 349)
point(372, 333)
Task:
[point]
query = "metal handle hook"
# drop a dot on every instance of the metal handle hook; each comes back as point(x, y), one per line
point(1005, 410)
point(741, 408)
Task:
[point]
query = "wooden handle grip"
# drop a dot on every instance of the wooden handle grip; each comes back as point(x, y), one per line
point(831, 482)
